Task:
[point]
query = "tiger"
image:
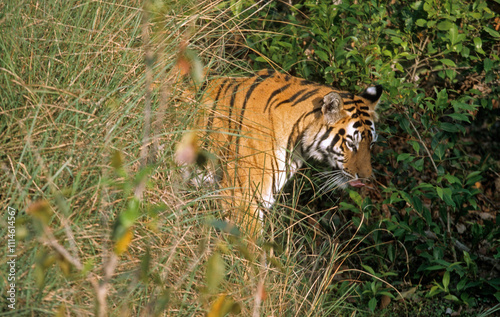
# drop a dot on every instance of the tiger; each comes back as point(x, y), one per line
point(264, 127)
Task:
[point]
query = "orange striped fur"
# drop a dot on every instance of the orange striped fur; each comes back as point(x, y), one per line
point(262, 128)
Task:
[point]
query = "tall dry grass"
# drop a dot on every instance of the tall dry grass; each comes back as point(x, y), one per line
point(91, 111)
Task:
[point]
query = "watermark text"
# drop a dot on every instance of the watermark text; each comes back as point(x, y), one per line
point(11, 255)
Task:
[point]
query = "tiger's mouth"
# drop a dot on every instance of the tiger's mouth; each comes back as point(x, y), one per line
point(357, 183)
point(337, 178)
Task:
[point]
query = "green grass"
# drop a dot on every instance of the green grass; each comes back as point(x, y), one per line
point(73, 83)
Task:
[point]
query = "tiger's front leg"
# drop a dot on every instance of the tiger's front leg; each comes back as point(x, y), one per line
point(248, 195)
point(253, 189)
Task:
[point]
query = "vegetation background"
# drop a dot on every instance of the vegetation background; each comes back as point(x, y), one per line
point(92, 109)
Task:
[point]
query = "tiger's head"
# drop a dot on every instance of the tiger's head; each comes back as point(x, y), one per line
point(343, 137)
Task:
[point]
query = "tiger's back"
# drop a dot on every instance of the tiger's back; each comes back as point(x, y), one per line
point(263, 128)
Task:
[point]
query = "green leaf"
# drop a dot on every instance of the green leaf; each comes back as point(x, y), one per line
point(352, 20)
point(434, 291)
point(447, 196)
point(459, 116)
point(454, 35)
point(461, 106)
point(285, 44)
point(322, 55)
point(130, 215)
point(394, 198)
point(404, 157)
point(440, 151)
point(356, 197)
point(215, 272)
point(452, 179)
point(478, 43)
point(261, 59)
point(427, 215)
point(446, 281)
point(346, 206)
point(488, 64)
point(372, 304)
point(440, 192)
point(415, 145)
point(452, 298)
point(448, 62)
point(421, 22)
point(419, 165)
point(461, 285)
point(473, 177)
point(449, 127)
point(407, 197)
point(435, 268)
point(417, 204)
point(368, 269)
point(492, 32)
point(445, 25)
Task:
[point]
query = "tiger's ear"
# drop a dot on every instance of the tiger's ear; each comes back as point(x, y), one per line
point(332, 107)
point(372, 94)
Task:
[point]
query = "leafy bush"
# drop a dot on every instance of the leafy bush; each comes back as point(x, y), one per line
point(435, 163)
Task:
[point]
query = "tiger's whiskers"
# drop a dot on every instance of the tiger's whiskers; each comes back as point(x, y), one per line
point(332, 180)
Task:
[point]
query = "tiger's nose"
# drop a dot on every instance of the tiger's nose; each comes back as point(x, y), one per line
point(365, 171)
point(362, 160)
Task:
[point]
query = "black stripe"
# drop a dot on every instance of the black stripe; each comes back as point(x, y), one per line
point(295, 137)
point(304, 82)
point(292, 98)
point(350, 102)
point(273, 177)
point(259, 79)
point(357, 124)
point(269, 73)
point(306, 96)
point(335, 140)
point(211, 114)
point(273, 94)
point(346, 95)
point(325, 135)
point(231, 103)
point(254, 85)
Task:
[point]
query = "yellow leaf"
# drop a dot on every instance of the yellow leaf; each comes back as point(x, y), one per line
point(123, 242)
point(216, 309)
point(222, 306)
